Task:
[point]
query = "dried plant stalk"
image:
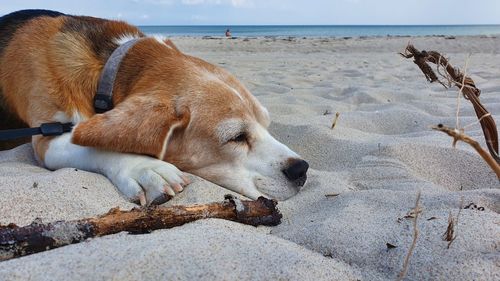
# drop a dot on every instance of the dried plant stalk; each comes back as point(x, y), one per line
point(459, 136)
point(452, 230)
point(337, 114)
point(455, 77)
point(417, 210)
point(449, 234)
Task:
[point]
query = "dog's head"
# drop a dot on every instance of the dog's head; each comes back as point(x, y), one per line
point(200, 118)
point(226, 140)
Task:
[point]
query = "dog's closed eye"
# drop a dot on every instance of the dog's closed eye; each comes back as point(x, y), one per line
point(233, 131)
point(240, 138)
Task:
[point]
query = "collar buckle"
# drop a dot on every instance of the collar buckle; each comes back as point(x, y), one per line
point(103, 103)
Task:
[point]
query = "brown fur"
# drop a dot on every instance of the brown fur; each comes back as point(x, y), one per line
point(168, 105)
point(138, 125)
point(54, 67)
point(49, 67)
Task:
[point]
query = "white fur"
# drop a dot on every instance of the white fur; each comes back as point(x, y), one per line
point(266, 161)
point(77, 117)
point(62, 117)
point(136, 176)
point(127, 37)
point(236, 93)
point(160, 38)
point(167, 139)
point(124, 38)
point(255, 171)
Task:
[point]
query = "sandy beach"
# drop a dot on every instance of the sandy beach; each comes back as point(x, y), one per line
point(380, 154)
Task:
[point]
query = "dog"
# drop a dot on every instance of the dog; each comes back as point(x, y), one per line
point(171, 112)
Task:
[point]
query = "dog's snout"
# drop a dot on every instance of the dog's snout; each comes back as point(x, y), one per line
point(297, 171)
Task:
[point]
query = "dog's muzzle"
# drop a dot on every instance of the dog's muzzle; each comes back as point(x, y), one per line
point(297, 172)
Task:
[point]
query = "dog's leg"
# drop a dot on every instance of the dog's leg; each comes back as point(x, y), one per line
point(140, 178)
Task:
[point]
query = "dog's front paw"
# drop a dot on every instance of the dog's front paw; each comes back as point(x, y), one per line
point(148, 181)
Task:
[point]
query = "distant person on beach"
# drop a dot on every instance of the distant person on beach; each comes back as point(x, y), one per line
point(228, 33)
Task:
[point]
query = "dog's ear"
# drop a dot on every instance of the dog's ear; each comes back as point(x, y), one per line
point(171, 44)
point(140, 124)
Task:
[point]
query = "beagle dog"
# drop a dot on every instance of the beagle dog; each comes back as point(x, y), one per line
point(172, 112)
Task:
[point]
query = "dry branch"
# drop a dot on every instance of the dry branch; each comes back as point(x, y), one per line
point(337, 114)
point(466, 85)
point(460, 136)
point(20, 241)
point(416, 211)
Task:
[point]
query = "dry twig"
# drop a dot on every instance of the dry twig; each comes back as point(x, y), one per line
point(416, 211)
point(332, 195)
point(451, 231)
point(20, 241)
point(460, 136)
point(466, 85)
point(337, 114)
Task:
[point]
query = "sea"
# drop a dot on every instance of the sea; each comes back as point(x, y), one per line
point(323, 30)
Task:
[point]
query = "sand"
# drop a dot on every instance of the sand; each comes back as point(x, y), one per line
point(380, 154)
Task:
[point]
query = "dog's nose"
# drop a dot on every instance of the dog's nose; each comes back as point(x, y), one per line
point(296, 172)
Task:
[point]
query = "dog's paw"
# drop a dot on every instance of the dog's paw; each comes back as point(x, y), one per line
point(148, 181)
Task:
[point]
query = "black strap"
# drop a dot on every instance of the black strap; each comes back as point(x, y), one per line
point(103, 100)
point(46, 129)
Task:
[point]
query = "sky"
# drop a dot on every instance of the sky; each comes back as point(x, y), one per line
point(275, 12)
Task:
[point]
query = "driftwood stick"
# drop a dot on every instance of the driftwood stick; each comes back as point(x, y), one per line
point(37, 237)
point(460, 136)
point(466, 85)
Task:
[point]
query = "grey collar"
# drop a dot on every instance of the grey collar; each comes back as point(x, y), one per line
point(103, 100)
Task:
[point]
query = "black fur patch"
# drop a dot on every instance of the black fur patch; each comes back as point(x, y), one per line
point(8, 27)
point(11, 22)
point(98, 33)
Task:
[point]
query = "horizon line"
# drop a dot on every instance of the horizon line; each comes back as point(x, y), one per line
point(381, 25)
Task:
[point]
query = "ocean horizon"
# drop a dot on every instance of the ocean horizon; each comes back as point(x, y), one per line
point(322, 30)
